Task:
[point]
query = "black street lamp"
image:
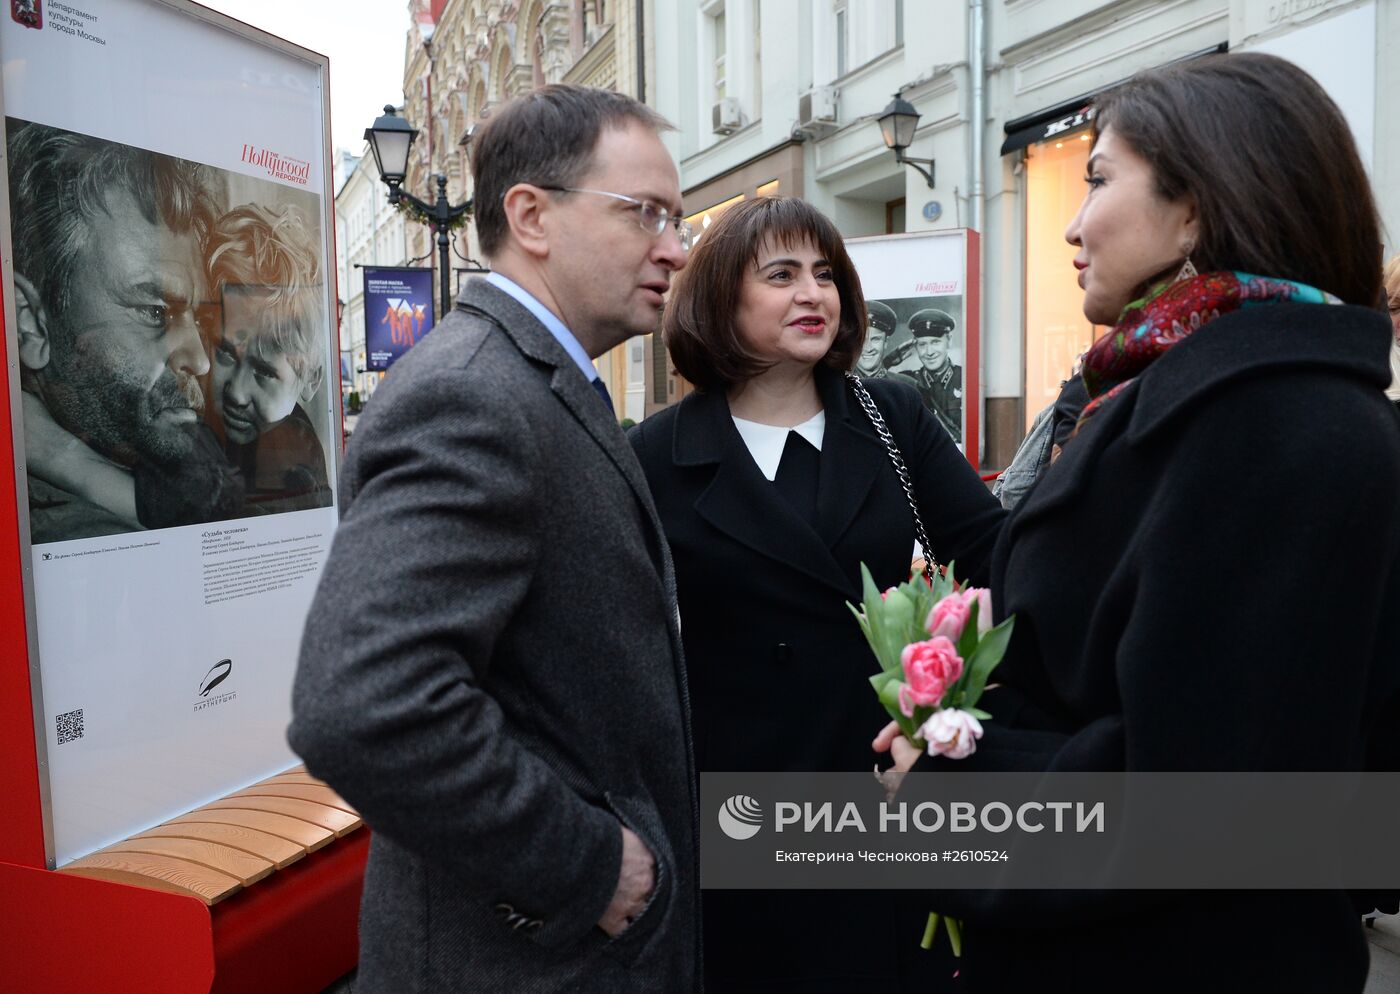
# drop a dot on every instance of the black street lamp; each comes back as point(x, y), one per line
point(389, 139)
point(897, 124)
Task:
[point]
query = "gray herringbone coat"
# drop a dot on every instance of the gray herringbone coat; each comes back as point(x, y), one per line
point(491, 673)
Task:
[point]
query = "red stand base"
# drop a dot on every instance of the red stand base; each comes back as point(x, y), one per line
point(293, 933)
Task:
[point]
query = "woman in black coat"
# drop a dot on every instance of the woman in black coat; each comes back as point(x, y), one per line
point(773, 488)
point(1207, 578)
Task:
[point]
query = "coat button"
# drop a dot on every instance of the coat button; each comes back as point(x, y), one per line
point(782, 652)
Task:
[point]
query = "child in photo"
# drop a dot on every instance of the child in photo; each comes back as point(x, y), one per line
point(266, 357)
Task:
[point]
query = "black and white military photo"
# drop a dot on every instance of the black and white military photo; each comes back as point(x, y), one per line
point(919, 340)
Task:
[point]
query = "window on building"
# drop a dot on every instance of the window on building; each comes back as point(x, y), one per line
point(720, 48)
point(757, 60)
point(894, 217)
point(850, 35)
point(660, 381)
point(636, 377)
point(843, 38)
point(701, 220)
point(729, 61)
point(1057, 332)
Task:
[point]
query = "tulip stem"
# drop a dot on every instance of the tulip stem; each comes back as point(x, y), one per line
point(930, 930)
point(931, 933)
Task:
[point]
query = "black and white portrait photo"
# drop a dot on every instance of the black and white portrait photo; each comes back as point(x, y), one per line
point(172, 338)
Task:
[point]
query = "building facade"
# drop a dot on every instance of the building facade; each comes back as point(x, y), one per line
point(465, 57)
point(783, 96)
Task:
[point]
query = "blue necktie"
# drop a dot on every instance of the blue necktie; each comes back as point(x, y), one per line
point(602, 389)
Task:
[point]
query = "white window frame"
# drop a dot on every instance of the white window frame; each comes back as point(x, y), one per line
point(741, 62)
point(841, 36)
point(871, 29)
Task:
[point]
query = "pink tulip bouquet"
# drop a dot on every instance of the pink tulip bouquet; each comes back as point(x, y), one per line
point(937, 646)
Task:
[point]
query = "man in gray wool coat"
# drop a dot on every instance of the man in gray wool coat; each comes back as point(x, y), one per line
point(491, 671)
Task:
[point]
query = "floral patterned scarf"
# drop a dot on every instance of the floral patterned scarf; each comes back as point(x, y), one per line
point(1166, 315)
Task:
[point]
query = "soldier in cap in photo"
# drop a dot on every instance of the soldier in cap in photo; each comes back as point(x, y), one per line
point(880, 323)
point(939, 379)
point(875, 359)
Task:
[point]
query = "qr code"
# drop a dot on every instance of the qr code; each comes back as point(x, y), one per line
point(70, 726)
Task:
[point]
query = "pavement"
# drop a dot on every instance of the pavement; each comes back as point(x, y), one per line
point(1385, 956)
point(1383, 979)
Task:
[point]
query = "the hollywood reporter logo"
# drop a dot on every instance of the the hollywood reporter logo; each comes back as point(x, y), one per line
point(741, 817)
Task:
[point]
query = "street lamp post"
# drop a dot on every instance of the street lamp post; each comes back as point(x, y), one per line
point(390, 138)
point(897, 124)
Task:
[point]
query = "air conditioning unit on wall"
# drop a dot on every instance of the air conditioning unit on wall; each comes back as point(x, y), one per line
point(816, 111)
point(726, 117)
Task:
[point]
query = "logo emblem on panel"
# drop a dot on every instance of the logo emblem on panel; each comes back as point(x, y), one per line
point(30, 13)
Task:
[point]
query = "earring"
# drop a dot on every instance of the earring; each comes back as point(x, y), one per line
point(1188, 270)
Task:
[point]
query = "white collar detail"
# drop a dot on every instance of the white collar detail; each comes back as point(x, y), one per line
point(766, 442)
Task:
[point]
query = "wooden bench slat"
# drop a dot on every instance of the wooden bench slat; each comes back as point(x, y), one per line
point(132, 879)
point(276, 850)
point(293, 778)
point(319, 793)
point(296, 830)
point(338, 821)
point(243, 867)
point(208, 885)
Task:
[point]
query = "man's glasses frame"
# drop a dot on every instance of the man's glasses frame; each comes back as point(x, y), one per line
point(651, 218)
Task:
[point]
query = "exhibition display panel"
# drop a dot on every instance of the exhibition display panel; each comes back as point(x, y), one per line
point(173, 414)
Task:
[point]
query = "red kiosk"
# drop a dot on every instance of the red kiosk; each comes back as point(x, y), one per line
point(220, 866)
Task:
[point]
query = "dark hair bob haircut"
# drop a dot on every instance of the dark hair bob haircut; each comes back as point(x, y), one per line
point(699, 329)
point(1279, 188)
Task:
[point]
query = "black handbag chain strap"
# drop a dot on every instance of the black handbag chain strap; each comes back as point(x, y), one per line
point(867, 402)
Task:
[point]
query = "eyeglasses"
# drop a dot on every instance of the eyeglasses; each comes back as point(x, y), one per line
point(651, 218)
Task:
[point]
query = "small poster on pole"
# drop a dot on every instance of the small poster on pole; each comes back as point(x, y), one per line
point(398, 311)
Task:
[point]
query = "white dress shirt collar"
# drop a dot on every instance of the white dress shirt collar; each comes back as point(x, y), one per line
point(550, 320)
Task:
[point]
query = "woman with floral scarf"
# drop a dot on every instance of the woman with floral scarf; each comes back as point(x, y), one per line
point(1207, 578)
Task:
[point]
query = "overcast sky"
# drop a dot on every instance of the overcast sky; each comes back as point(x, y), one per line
point(364, 40)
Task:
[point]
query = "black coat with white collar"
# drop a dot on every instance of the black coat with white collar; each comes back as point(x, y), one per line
point(763, 596)
point(779, 671)
point(1206, 580)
